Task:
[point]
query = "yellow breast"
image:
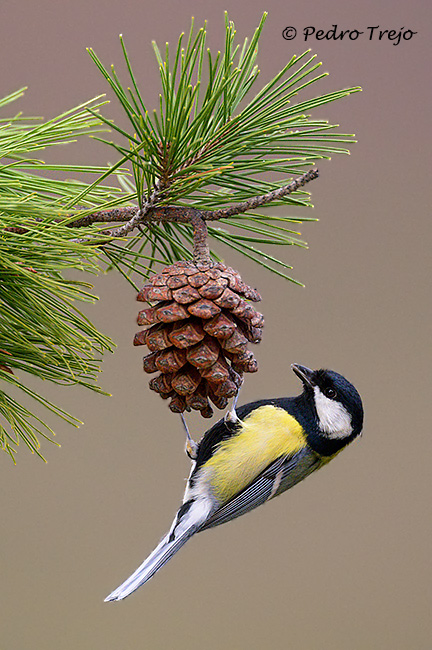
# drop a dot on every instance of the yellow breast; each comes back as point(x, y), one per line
point(266, 434)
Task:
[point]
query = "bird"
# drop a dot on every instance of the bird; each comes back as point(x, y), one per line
point(256, 452)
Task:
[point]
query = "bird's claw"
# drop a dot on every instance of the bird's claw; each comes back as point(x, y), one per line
point(191, 447)
point(231, 418)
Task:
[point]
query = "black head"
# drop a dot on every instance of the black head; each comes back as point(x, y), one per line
point(337, 404)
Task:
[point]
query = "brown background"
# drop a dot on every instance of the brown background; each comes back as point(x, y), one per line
point(343, 561)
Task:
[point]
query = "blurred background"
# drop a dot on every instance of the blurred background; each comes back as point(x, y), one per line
point(341, 562)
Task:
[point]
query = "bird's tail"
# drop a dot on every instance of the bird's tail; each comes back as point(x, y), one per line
point(188, 521)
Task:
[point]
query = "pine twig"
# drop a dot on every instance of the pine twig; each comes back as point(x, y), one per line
point(151, 213)
point(201, 250)
point(258, 201)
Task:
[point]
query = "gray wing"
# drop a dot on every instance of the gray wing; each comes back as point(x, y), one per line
point(282, 474)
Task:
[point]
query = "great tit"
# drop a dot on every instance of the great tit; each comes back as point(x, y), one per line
point(256, 453)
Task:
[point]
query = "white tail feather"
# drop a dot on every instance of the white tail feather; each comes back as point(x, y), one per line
point(179, 534)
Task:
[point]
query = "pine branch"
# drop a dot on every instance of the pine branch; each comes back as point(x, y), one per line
point(211, 146)
point(213, 151)
point(134, 216)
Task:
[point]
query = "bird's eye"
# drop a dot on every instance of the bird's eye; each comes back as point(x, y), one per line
point(330, 392)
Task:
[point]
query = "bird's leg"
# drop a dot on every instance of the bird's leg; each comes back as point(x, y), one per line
point(231, 418)
point(191, 447)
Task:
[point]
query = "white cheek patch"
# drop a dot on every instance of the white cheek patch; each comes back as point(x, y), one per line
point(334, 419)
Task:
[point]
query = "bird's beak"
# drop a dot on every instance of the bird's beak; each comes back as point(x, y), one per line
point(305, 374)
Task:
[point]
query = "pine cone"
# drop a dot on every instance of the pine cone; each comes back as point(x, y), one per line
point(198, 327)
